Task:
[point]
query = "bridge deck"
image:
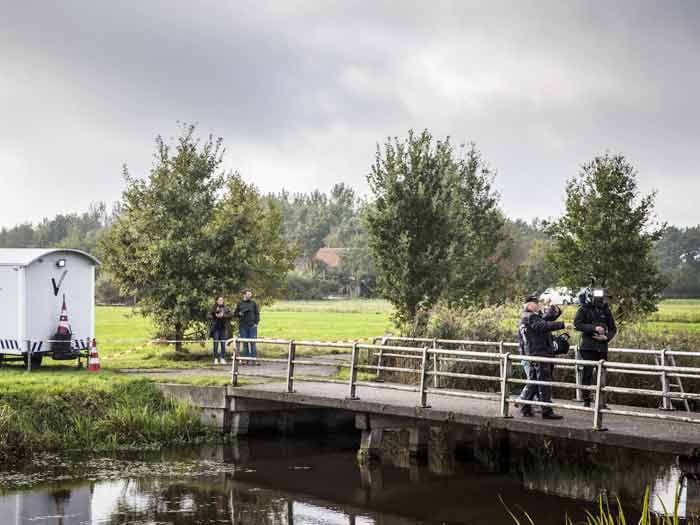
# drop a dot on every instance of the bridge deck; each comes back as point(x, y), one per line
point(622, 431)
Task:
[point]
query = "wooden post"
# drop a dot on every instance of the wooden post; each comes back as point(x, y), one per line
point(424, 379)
point(290, 366)
point(353, 373)
point(234, 363)
point(599, 397)
point(506, 366)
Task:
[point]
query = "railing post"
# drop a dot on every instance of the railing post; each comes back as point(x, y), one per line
point(234, 362)
point(436, 378)
point(424, 379)
point(379, 358)
point(506, 368)
point(578, 373)
point(599, 396)
point(353, 372)
point(500, 362)
point(290, 366)
point(665, 390)
point(29, 356)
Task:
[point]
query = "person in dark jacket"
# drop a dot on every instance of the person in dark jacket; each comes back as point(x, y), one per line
point(220, 328)
point(248, 316)
point(535, 332)
point(597, 326)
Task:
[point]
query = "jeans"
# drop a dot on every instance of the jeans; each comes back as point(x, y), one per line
point(219, 337)
point(248, 332)
point(538, 372)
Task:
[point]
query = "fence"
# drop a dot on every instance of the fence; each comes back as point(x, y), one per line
point(664, 357)
point(427, 374)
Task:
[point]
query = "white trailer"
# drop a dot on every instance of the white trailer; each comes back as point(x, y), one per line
point(33, 284)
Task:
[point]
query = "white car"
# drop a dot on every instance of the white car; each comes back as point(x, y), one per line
point(557, 296)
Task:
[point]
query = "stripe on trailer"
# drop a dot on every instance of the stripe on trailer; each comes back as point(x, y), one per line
point(2, 344)
point(41, 343)
point(15, 344)
point(80, 344)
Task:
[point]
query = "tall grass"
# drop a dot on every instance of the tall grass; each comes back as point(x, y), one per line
point(605, 515)
point(63, 412)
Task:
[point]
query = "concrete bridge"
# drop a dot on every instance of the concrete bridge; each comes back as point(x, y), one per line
point(301, 402)
point(323, 407)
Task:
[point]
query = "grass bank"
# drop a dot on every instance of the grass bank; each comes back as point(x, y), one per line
point(54, 410)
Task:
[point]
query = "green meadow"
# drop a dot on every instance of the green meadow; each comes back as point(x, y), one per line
point(125, 339)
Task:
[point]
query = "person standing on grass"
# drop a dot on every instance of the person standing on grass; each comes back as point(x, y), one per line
point(248, 316)
point(220, 328)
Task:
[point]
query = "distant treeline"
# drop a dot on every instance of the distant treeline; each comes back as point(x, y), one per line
point(318, 220)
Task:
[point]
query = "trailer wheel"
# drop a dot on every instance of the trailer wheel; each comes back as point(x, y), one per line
point(36, 361)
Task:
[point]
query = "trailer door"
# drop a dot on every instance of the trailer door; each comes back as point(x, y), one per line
point(10, 315)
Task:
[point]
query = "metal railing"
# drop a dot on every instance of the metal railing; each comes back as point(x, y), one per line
point(663, 356)
point(427, 375)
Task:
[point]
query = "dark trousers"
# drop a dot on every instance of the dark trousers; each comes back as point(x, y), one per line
point(219, 337)
point(249, 332)
point(590, 355)
point(538, 372)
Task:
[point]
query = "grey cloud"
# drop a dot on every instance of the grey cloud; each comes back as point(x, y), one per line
point(302, 91)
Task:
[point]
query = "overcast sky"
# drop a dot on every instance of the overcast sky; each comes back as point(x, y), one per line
point(301, 92)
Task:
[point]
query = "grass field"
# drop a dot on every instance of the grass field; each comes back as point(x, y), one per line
point(124, 338)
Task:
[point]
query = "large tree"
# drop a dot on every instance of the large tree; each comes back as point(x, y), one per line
point(434, 227)
point(188, 232)
point(608, 232)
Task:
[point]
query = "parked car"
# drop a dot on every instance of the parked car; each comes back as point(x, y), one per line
point(559, 295)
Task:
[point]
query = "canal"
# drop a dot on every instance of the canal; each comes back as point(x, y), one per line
point(319, 481)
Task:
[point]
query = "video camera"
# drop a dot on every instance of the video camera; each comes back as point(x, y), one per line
point(595, 295)
point(561, 344)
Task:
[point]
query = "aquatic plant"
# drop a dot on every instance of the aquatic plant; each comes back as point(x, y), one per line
point(605, 515)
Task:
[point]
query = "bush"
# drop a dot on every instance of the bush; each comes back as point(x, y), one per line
point(498, 323)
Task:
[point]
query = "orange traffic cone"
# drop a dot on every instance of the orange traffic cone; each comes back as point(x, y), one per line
point(63, 326)
point(94, 358)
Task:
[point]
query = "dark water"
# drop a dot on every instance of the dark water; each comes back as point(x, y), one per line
point(283, 481)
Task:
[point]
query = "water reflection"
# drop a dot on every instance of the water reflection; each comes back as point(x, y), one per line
point(276, 482)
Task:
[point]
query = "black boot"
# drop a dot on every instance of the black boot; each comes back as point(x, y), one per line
point(526, 412)
point(551, 415)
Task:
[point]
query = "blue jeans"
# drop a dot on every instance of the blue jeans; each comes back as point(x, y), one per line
point(219, 337)
point(248, 332)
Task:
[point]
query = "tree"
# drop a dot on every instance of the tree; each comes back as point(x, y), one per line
point(608, 231)
point(188, 232)
point(537, 273)
point(478, 247)
point(430, 224)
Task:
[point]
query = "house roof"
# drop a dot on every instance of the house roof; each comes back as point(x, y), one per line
point(26, 256)
point(330, 256)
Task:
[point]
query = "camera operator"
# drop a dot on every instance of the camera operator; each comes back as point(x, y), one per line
point(595, 322)
point(535, 335)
